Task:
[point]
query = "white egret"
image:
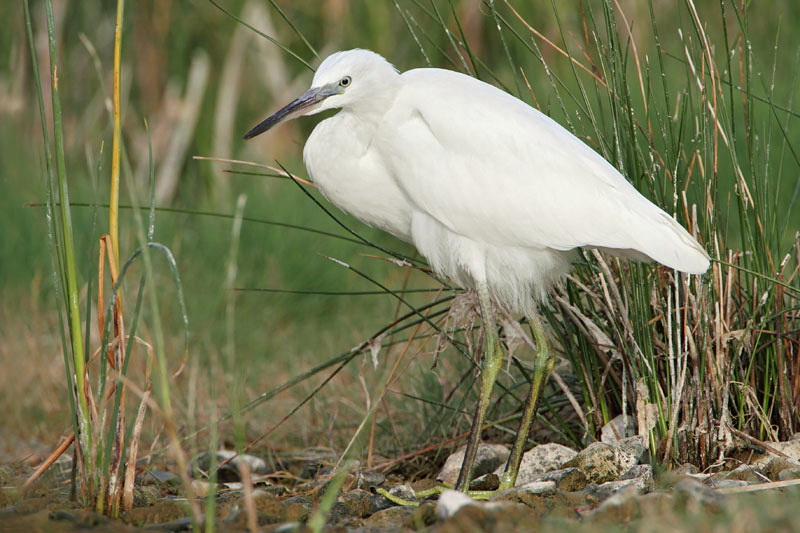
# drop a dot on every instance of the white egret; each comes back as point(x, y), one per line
point(495, 194)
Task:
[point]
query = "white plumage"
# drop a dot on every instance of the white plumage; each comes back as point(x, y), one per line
point(487, 188)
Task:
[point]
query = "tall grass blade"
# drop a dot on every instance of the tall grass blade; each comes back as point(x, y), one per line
point(67, 253)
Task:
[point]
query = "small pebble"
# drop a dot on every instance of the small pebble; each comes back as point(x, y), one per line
point(692, 495)
point(488, 458)
point(450, 501)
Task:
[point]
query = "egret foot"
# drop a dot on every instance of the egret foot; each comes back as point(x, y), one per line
point(421, 495)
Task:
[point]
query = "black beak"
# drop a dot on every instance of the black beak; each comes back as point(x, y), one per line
point(294, 109)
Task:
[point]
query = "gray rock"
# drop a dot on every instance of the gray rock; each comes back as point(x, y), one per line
point(227, 463)
point(604, 491)
point(602, 462)
point(700, 476)
point(789, 474)
point(404, 492)
point(201, 488)
point(621, 506)
point(566, 479)
point(367, 480)
point(628, 505)
point(791, 448)
point(157, 477)
point(630, 450)
point(425, 515)
point(289, 527)
point(743, 475)
point(689, 494)
point(685, 469)
point(450, 501)
point(540, 459)
point(62, 514)
point(489, 481)
point(776, 464)
point(643, 472)
point(488, 459)
point(145, 496)
point(727, 483)
point(181, 524)
point(303, 499)
point(538, 488)
point(164, 511)
point(391, 518)
point(748, 473)
point(534, 491)
point(620, 427)
point(358, 503)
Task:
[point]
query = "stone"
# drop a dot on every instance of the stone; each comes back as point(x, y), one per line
point(181, 524)
point(404, 492)
point(157, 477)
point(685, 469)
point(488, 458)
point(538, 488)
point(450, 502)
point(540, 459)
point(700, 476)
point(359, 504)
point(566, 479)
point(391, 518)
point(62, 515)
point(425, 484)
point(162, 512)
point(227, 462)
point(489, 481)
point(743, 474)
point(630, 450)
point(789, 474)
point(776, 464)
point(367, 480)
point(289, 527)
point(619, 508)
point(643, 472)
point(145, 495)
point(602, 462)
point(620, 427)
point(201, 488)
point(536, 495)
point(602, 492)
point(269, 510)
point(296, 512)
point(423, 516)
point(790, 448)
point(728, 483)
point(755, 456)
point(488, 518)
point(691, 495)
point(628, 505)
point(748, 473)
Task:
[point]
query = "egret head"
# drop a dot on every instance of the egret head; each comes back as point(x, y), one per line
point(343, 79)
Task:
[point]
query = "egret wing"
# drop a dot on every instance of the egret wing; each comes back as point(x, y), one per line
point(493, 169)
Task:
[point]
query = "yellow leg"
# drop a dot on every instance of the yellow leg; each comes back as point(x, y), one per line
point(543, 367)
point(492, 361)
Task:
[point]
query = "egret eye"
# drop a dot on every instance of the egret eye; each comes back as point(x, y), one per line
point(344, 82)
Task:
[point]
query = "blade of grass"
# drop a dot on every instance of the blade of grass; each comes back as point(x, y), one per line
point(72, 291)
